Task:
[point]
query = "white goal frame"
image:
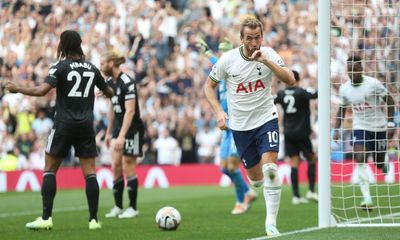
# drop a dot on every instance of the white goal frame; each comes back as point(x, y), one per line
point(324, 93)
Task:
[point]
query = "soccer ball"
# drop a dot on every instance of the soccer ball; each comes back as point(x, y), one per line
point(168, 218)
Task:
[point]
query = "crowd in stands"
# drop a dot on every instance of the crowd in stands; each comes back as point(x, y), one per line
point(159, 40)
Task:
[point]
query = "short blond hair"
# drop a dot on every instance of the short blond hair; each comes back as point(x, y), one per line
point(246, 16)
point(116, 57)
point(251, 22)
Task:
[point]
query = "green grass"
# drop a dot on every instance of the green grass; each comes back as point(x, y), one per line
point(205, 215)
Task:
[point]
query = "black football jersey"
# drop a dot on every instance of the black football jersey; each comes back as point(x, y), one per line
point(124, 89)
point(295, 102)
point(74, 82)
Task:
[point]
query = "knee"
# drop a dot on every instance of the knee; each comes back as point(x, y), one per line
point(128, 165)
point(128, 162)
point(312, 159)
point(231, 168)
point(51, 164)
point(88, 166)
point(233, 164)
point(256, 183)
point(294, 163)
point(117, 164)
point(117, 169)
point(224, 163)
point(311, 162)
point(360, 158)
point(269, 168)
point(295, 159)
point(270, 172)
point(50, 168)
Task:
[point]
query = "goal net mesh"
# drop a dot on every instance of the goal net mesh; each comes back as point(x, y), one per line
point(371, 30)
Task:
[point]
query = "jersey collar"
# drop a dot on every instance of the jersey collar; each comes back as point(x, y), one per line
point(242, 54)
point(358, 84)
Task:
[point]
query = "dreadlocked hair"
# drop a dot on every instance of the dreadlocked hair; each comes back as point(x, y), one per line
point(70, 46)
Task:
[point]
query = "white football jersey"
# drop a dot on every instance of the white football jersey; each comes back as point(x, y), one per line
point(367, 102)
point(248, 88)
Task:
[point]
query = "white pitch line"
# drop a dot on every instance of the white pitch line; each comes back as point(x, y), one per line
point(27, 213)
point(288, 233)
point(361, 220)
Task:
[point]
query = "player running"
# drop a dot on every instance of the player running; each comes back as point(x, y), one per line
point(248, 72)
point(367, 97)
point(230, 161)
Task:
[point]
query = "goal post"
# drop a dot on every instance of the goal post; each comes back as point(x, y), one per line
point(324, 156)
point(369, 29)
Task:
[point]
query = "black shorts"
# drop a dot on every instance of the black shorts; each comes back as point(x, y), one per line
point(134, 143)
point(293, 146)
point(59, 145)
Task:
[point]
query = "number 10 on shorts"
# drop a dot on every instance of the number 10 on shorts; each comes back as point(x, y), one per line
point(272, 137)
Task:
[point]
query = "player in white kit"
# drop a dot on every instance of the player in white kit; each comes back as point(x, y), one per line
point(248, 72)
point(368, 99)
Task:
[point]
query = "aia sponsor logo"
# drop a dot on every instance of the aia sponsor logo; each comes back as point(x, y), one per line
point(361, 107)
point(250, 87)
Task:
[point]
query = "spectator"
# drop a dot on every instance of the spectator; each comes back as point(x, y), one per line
point(42, 124)
point(9, 162)
point(186, 136)
point(208, 140)
point(168, 152)
point(159, 39)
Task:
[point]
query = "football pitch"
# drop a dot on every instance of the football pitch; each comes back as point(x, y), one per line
point(205, 214)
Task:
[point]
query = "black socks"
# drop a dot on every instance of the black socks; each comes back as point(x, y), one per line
point(295, 182)
point(92, 195)
point(49, 189)
point(132, 190)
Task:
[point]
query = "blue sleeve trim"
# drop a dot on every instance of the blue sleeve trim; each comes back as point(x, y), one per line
point(213, 60)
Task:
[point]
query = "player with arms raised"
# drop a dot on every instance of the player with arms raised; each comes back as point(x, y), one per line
point(248, 72)
point(74, 79)
point(366, 96)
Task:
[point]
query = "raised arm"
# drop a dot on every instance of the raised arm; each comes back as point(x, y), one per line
point(37, 91)
point(283, 73)
point(224, 46)
point(203, 47)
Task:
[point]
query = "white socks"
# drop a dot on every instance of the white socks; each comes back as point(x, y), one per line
point(256, 184)
point(363, 181)
point(272, 192)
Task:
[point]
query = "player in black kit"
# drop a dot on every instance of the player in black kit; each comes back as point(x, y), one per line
point(295, 102)
point(74, 79)
point(124, 134)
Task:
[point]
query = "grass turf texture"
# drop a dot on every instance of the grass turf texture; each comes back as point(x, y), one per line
point(205, 215)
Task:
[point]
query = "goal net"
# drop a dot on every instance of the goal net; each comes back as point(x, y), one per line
point(369, 29)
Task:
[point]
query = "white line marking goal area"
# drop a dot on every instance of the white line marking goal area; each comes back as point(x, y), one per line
point(312, 229)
